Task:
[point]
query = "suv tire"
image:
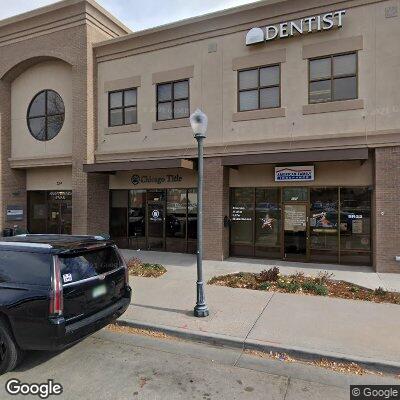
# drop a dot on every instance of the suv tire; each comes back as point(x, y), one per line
point(10, 353)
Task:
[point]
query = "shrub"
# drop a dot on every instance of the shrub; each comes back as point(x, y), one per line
point(380, 291)
point(315, 287)
point(138, 268)
point(354, 289)
point(264, 286)
point(321, 290)
point(269, 275)
point(308, 286)
point(323, 277)
point(289, 286)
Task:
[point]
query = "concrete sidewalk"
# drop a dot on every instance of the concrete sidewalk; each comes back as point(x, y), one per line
point(304, 325)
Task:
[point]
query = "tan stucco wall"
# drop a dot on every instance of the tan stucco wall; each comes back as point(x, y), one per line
point(122, 180)
point(51, 178)
point(214, 89)
point(55, 75)
point(343, 173)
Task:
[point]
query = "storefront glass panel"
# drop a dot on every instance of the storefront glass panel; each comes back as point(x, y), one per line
point(137, 219)
point(355, 226)
point(242, 221)
point(295, 194)
point(192, 221)
point(295, 231)
point(163, 219)
point(327, 224)
point(324, 235)
point(37, 219)
point(268, 223)
point(176, 220)
point(155, 219)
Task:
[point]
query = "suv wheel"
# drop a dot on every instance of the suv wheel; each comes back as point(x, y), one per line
point(10, 354)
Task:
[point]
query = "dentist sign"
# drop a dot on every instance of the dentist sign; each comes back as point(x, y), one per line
point(318, 23)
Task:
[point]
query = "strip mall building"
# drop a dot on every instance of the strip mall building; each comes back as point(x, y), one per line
point(303, 144)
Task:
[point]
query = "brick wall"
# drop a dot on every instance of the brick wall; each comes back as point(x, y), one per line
point(12, 182)
point(216, 206)
point(387, 209)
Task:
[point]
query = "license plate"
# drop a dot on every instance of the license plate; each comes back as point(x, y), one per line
point(99, 291)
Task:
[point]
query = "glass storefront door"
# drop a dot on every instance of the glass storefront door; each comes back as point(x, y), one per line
point(50, 212)
point(156, 220)
point(295, 235)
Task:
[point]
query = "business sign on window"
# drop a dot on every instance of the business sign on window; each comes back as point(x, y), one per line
point(294, 174)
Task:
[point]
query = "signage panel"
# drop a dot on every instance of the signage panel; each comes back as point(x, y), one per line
point(294, 174)
point(157, 180)
point(15, 213)
point(302, 26)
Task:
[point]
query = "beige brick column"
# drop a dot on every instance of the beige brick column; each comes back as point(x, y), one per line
point(216, 206)
point(387, 209)
point(12, 182)
point(90, 194)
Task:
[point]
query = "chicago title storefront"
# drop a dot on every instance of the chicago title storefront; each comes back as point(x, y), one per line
point(302, 156)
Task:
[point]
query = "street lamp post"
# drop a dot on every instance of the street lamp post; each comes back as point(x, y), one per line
point(199, 121)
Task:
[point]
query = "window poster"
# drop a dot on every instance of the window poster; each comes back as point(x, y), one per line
point(357, 226)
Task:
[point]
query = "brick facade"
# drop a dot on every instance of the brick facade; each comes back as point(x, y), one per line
point(12, 182)
point(387, 209)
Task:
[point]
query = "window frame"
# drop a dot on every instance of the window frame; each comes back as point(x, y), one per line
point(123, 107)
point(46, 115)
point(332, 76)
point(259, 88)
point(173, 100)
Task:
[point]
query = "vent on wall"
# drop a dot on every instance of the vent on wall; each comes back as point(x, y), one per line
point(212, 47)
point(391, 12)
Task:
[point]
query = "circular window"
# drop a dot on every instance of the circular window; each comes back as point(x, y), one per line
point(46, 115)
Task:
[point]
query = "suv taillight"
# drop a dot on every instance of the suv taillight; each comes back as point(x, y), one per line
point(123, 264)
point(56, 296)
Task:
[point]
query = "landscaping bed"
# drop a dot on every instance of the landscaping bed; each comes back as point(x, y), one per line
point(321, 285)
point(137, 267)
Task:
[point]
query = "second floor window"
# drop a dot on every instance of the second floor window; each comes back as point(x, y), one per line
point(173, 100)
point(122, 107)
point(259, 88)
point(333, 78)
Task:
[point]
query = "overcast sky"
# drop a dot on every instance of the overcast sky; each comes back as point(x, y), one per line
point(136, 14)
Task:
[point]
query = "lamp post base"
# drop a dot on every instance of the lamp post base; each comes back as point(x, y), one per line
point(201, 311)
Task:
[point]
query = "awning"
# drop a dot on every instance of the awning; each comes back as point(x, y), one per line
point(297, 157)
point(113, 167)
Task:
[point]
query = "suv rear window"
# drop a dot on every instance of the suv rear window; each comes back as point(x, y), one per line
point(88, 264)
point(25, 267)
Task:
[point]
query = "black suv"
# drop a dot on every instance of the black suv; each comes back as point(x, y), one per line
point(56, 290)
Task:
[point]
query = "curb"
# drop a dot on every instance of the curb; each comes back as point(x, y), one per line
point(391, 367)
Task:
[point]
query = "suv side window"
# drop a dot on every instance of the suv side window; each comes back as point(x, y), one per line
point(25, 267)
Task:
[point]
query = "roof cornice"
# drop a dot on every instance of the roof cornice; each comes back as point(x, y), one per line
point(60, 15)
point(217, 24)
